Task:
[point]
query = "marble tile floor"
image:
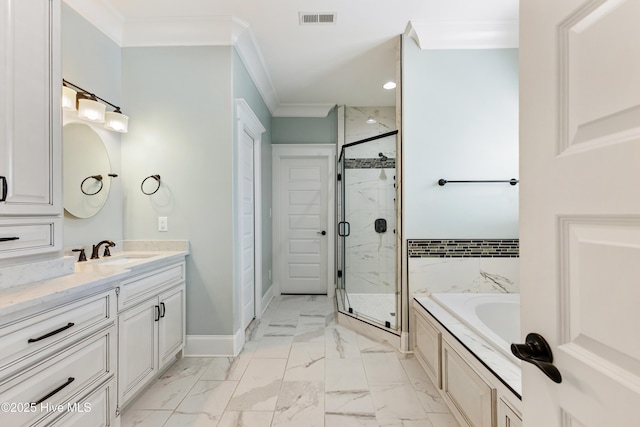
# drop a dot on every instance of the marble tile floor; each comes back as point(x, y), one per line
point(298, 369)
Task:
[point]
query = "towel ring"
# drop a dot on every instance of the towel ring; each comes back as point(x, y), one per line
point(97, 178)
point(157, 178)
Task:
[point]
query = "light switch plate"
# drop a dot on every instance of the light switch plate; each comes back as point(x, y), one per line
point(163, 224)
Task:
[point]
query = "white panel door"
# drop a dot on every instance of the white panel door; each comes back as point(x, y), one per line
point(303, 220)
point(580, 209)
point(247, 231)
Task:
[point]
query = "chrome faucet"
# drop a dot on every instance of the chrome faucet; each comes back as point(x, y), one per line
point(96, 248)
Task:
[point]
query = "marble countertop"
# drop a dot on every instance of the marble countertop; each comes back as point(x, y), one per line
point(507, 371)
point(90, 276)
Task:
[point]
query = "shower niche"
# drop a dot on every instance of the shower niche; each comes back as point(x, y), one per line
point(367, 248)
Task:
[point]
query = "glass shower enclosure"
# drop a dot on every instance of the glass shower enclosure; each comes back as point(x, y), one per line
point(366, 253)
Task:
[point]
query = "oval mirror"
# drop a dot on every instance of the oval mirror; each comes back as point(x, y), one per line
point(86, 170)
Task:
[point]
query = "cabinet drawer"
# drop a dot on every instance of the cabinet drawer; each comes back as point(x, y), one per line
point(95, 410)
point(144, 286)
point(58, 380)
point(43, 333)
point(29, 236)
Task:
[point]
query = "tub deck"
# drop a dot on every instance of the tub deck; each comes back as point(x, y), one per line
point(505, 368)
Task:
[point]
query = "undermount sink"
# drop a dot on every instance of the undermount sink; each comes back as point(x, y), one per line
point(123, 259)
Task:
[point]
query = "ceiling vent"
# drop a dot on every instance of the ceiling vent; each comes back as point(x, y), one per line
point(309, 18)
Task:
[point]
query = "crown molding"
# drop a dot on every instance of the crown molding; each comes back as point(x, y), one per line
point(464, 35)
point(102, 15)
point(212, 30)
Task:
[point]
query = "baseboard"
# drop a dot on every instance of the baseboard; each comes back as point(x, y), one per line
point(266, 299)
point(214, 345)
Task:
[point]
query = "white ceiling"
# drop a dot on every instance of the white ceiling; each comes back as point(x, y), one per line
point(344, 63)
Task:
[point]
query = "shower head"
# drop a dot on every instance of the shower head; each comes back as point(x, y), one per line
point(383, 157)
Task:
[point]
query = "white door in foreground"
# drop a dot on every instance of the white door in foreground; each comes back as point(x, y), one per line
point(580, 209)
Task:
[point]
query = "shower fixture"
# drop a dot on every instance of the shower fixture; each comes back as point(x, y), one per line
point(383, 157)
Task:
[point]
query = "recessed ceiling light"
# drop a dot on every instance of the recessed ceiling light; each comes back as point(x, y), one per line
point(389, 85)
point(371, 120)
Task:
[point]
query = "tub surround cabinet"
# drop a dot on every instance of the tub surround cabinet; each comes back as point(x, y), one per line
point(473, 394)
point(30, 149)
point(151, 326)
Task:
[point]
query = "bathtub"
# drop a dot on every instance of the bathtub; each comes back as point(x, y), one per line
point(495, 317)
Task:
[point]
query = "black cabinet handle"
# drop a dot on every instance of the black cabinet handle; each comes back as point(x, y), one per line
point(8, 239)
point(157, 307)
point(42, 399)
point(52, 333)
point(3, 193)
point(164, 309)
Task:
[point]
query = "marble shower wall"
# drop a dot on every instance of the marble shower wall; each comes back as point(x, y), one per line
point(463, 266)
point(370, 260)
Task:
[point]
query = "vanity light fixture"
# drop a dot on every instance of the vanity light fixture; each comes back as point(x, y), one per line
point(116, 121)
point(389, 85)
point(90, 109)
point(69, 99)
point(93, 108)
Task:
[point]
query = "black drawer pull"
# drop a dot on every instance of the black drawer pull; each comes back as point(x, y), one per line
point(3, 191)
point(8, 239)
point(42, 399)
point(157, 307)
point(52, 333)
point(164, 309)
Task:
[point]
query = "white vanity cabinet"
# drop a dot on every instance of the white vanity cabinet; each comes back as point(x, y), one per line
point(55, 360)
point(30, 133)
point(151, 326)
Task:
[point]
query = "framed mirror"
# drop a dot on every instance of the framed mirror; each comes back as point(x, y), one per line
point(86, 169)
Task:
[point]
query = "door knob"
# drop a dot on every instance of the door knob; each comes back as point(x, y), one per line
point(322, 232)
point(536, 350)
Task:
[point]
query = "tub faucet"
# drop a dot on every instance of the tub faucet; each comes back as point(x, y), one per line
point(96, 248)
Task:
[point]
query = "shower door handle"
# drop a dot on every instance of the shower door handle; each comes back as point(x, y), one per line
point(344, 229)
point(536, 350)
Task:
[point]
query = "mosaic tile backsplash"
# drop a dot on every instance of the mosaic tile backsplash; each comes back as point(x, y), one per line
point(461, 248)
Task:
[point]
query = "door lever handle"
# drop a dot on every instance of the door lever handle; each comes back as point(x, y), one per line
point(536, 350)
point(322, 232)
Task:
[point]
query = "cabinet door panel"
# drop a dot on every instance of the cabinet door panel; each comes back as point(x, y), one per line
point(172, 325)
point(427, 347)
point(138, 358)
point(30, 86)
point(470, 397)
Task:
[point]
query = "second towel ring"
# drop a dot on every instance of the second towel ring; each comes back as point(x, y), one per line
point(157, 178)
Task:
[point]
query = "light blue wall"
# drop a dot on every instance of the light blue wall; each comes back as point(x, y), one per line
point(92, 61)
point(243, 87)
point(460, 122)
point(306, 130)
point(180, 102)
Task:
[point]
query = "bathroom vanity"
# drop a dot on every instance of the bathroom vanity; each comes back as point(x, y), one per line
point(75, 349)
